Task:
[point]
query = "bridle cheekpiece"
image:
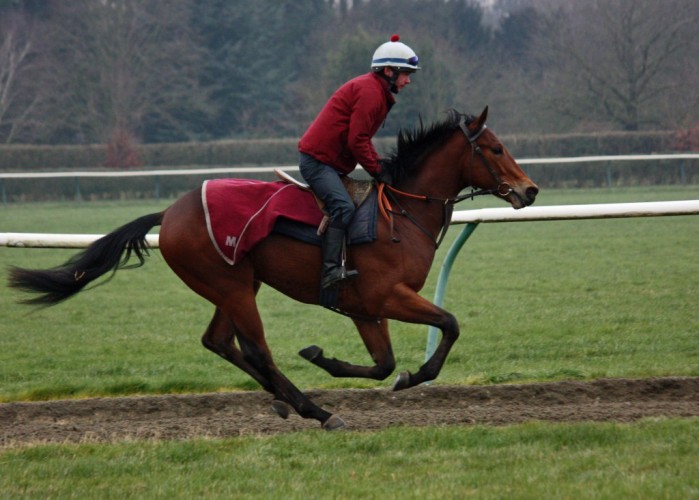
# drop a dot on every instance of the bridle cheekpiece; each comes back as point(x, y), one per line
point(503, 188)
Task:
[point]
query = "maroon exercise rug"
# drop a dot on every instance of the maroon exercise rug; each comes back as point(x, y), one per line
point(242, 212)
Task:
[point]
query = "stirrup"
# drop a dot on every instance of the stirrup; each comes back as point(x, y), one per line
point(333, 279)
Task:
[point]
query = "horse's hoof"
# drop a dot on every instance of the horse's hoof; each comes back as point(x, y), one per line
point(281, 408)
point(402, 381)
point(311, 352)
point(333, 423)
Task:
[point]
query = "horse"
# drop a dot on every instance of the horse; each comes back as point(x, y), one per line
point(430, 167)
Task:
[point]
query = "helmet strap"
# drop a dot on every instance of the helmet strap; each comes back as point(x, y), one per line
point(390, 79)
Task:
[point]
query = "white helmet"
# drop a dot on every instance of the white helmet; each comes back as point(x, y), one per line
point(395, 54)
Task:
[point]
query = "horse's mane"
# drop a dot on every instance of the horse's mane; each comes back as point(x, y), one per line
point(415, 144)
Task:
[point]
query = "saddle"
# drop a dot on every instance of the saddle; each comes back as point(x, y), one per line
point(359, 191)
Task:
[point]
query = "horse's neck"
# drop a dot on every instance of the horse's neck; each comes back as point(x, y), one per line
point(439, 178)
point(440, 174)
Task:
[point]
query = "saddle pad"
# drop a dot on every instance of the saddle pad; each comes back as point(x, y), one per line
point(362, 229)
point(242, 212)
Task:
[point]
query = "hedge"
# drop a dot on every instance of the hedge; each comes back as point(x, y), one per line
point(18, 158)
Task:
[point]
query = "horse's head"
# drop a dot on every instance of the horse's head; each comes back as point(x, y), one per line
point(490, 167)
point(444, 158)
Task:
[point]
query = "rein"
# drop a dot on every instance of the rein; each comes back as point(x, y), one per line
point(387, 211)
point(385, 192)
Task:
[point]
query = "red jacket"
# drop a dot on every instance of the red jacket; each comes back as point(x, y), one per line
point(340, 136)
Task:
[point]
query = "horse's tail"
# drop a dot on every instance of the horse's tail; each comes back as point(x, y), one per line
point(105, 254)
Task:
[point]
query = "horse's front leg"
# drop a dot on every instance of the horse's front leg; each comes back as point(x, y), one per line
point(407, 306)
point(378, 343)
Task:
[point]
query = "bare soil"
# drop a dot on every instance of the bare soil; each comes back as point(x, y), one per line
point(174, 417)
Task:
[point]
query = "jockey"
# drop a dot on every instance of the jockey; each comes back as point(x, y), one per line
point(340, 138)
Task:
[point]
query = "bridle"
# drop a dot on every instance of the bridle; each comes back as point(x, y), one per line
point(503, 189)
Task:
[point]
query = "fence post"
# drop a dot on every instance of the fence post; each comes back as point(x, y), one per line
point(432, 332)
point(683, 174)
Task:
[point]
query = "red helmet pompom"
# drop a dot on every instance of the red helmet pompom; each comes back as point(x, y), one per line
point(395, 38)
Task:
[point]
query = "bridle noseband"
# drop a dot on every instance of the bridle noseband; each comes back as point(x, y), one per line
point(503, 189)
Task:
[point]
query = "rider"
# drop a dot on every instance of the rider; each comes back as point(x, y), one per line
point(340, 138)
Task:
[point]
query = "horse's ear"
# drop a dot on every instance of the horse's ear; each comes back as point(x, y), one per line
point(482, 118)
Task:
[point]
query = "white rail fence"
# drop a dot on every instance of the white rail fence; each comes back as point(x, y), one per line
point(486, 215)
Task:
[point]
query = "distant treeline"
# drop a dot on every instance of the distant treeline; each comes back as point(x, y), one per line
point(131, 72)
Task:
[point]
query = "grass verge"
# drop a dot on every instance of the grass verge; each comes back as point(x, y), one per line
point(650, 459)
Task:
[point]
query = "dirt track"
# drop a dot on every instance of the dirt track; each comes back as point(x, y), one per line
point(235, 414)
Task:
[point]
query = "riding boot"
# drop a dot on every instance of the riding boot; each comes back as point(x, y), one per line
point(334, 271)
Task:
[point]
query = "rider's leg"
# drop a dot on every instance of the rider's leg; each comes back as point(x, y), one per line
point(326, 183)
point(333, 246)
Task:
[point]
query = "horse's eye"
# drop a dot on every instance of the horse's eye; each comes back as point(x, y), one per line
point(497, 150)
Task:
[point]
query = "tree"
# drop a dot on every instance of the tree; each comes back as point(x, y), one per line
point(120, 68)
point(255, 51)
point(616, 61)
point(16, 52)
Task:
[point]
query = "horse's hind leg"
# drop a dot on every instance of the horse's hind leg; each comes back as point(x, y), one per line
point(377, 342)
point(241, 308)
point(220, 339)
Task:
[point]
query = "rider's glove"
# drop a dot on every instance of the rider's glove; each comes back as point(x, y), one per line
point(384, 175)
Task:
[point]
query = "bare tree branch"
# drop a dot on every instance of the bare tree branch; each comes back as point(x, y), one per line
point(624, 52)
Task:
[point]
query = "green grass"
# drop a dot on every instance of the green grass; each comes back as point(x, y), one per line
point(650, 459)
point(535, 301)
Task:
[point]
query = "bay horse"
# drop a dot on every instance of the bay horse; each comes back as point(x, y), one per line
point(430, 167)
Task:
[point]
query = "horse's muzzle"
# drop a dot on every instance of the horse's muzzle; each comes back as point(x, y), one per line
point(523, 196)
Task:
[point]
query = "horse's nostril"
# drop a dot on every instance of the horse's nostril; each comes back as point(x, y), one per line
point(531, 193)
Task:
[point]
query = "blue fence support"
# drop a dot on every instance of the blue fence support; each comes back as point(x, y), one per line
point(432, 331)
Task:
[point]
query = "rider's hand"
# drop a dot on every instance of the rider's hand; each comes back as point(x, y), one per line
point(384, 175)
